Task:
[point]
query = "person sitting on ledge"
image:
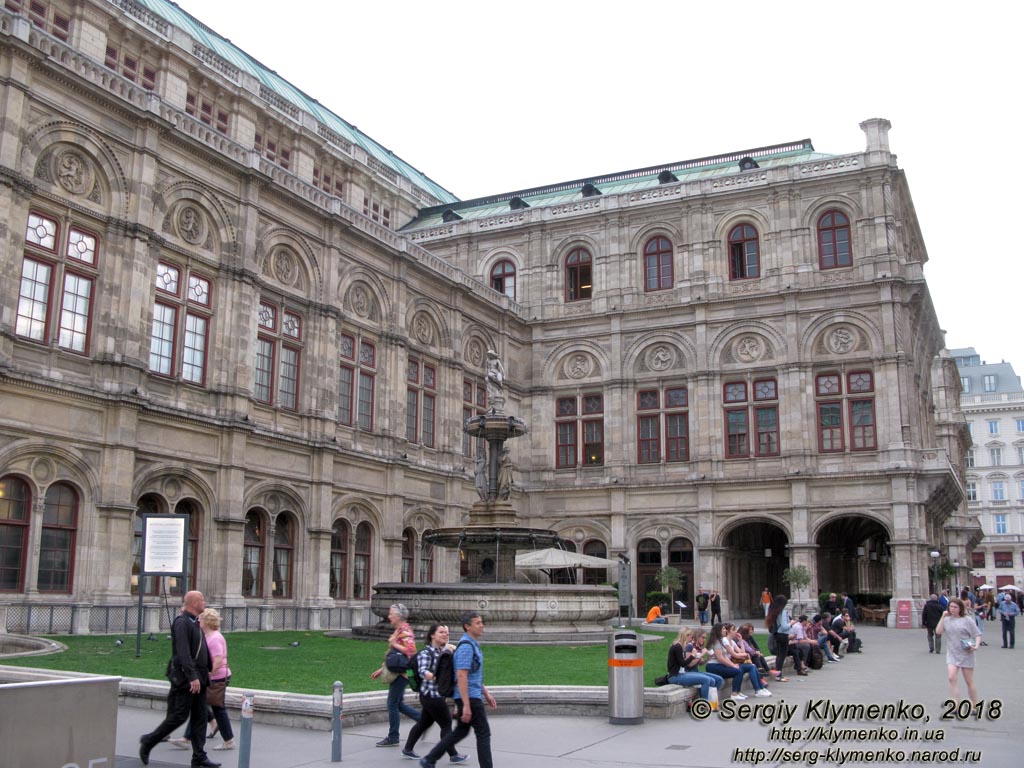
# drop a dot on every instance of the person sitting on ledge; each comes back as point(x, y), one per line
point(654, 616)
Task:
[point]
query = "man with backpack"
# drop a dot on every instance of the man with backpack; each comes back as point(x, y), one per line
point(434, 678)
point(470, 695)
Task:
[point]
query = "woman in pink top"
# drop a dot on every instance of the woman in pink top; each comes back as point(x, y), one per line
point(209, 620)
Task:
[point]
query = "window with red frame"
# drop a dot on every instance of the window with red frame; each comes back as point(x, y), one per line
point(182, 315)
point(408, 555)
point(657, 264)
point(327, 178)
point(61, 261)
point(663, 412)
point(834, 241)
point(579, 420)
point(361, 572)
point(595, 548)
point(750, 407)
point(426, 563)
point(978, 558)
point(278, 349)
point(272, 144)
point(126, 61)
point(149, 504)
point(57, 539)
point(857, 404)
point(47, 16)
point(284, 556)
point(376, 210)
point(356, 382)
point(420, 402)
point(1003, 559)
point(578, 283)
point(474, 402)
point(254, 542)
point(744, 252)
point(340, 534)
point(205, 109)
point(503, 278)
point(15, 508)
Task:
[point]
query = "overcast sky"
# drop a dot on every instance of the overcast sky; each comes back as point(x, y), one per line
point(488, 97)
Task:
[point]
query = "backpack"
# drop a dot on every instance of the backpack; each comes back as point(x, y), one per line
point(415, 680)
point(444, 674)
point(817, 659)
point(773, 646)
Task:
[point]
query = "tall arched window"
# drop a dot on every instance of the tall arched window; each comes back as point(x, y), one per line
point(15, 503)
point(361, 572)
point(744, 252)
point(657, 264)
point(564, 575)
point(57, 546)
point(284, 546)
point(595, 548)
point(190, 508)
point(150, 504)
point(578, 283)
point(252, 555)
point(408, 554)
point(340, 533)
point(426, 563)
point(503, 278)
point(834, 241)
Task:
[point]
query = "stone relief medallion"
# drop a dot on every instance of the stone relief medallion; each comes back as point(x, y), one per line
point(284, 266)
point(841, 340)
point(360, 301)
point(660, 358)
point(171, 488)
point(43, 470)
point(748, 349)
point(73, 172)
point(578, 366)
point(552, 605)
point(421, 328)
point(191, 224)
point(273, 503)
point(578, 534)
point(482, 603)
point(475, 352)
point(663, 534)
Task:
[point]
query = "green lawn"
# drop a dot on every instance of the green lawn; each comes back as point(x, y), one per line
point(266, 660)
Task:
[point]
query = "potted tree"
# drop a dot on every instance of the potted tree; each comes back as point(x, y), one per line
point(798, 578)
point(671, 581)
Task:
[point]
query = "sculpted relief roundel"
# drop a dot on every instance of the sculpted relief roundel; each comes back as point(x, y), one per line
point(841, 340)
point(578, 366)
point(660, 358)
point(748, 349)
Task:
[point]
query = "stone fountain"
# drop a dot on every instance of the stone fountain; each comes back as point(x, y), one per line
point(487, 546)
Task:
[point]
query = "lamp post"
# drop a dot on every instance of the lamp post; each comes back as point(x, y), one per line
point(956, 577)
point(935, 569)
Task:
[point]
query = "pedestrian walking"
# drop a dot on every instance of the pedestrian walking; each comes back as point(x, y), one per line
point(432, 701)
point(961, 644)
point(470, 696)
point(189, 675)
point(403, 641)
point(715, 602)
point(1008, 613)
point(931, 615)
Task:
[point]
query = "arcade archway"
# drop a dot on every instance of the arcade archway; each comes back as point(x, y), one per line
point(853, 556)
point(755, 556)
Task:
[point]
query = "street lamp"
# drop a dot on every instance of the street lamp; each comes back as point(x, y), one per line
point(935, 568)
point(956, 565)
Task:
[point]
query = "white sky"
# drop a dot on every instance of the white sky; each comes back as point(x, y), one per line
point(487, 97)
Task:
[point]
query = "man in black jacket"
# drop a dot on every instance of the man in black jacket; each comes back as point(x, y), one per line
point(189, 675)
point(931, 615)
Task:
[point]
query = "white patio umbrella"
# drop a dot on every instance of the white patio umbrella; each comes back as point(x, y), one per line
point(985, 586)
point(559, 558)
point(1009, 586)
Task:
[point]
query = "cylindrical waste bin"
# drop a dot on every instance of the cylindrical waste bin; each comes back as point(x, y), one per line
point(625, 678)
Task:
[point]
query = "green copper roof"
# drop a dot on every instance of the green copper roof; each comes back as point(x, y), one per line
point(618, 183)
point(234, 56)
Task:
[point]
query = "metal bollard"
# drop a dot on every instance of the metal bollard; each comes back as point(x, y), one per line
point(245, 731)
point(339, 689)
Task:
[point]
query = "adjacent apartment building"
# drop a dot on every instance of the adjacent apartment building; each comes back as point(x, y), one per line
point(218, 297)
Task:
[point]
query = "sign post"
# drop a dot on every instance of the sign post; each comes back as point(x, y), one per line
point(164, 553)
point(903, 608)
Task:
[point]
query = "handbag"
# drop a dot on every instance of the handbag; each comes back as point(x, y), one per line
point(174, 675)
point(397, 662)
point(660, 681)
point(386, 676)
point(215, 692)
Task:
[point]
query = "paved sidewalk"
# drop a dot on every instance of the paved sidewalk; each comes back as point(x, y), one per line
point(894, 667)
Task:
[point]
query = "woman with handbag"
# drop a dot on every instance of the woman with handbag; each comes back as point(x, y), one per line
point(685, 656)
point(220, 676)
point(401, 643)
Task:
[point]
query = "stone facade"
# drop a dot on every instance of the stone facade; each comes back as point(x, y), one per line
point(227, 308)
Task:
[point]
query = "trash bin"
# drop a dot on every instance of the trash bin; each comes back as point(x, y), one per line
point(625, 678)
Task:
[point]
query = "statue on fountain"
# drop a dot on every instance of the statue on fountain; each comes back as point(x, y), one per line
point(495, 380)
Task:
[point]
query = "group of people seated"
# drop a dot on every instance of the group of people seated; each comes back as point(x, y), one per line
point(732, 652)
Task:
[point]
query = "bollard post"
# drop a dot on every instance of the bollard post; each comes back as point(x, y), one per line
point(245, 731)
point(336, 723)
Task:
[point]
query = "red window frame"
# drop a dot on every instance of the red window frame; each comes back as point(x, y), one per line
point(978, 558)
point(744, 252)
point(7, 504)
point(341, 532)
point(363, 561)
point(254, 542)
point(62, 509)
point(579, 275)
point(658, 264)
point(282, 583)
point(327, 181)
point(281, 333)
point(503, 275)
point(835, 249)
point(207, 111)
point(1002, 559)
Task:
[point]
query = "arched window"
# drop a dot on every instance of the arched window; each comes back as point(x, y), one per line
point(150, 504)
point(361, 573)
point(57, 546)
point(503, 278)
point(252, 555)
point(578, 275)
point(284, 545)
point(657, 264)
point(426, 563)
point(744, 252)
point(595, 548)
point(564, 575)
point(340, 533)
point(408, 554)
point(190, 508)
point(834, 241)
point(15, 503)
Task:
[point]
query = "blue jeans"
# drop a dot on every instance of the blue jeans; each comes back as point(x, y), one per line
point(823, 644)
point(397, 706)
point(736, 675)
point(660, 620)
point(703, 616)
point(704, 679)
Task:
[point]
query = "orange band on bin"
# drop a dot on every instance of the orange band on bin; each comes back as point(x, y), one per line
point(625, 662)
